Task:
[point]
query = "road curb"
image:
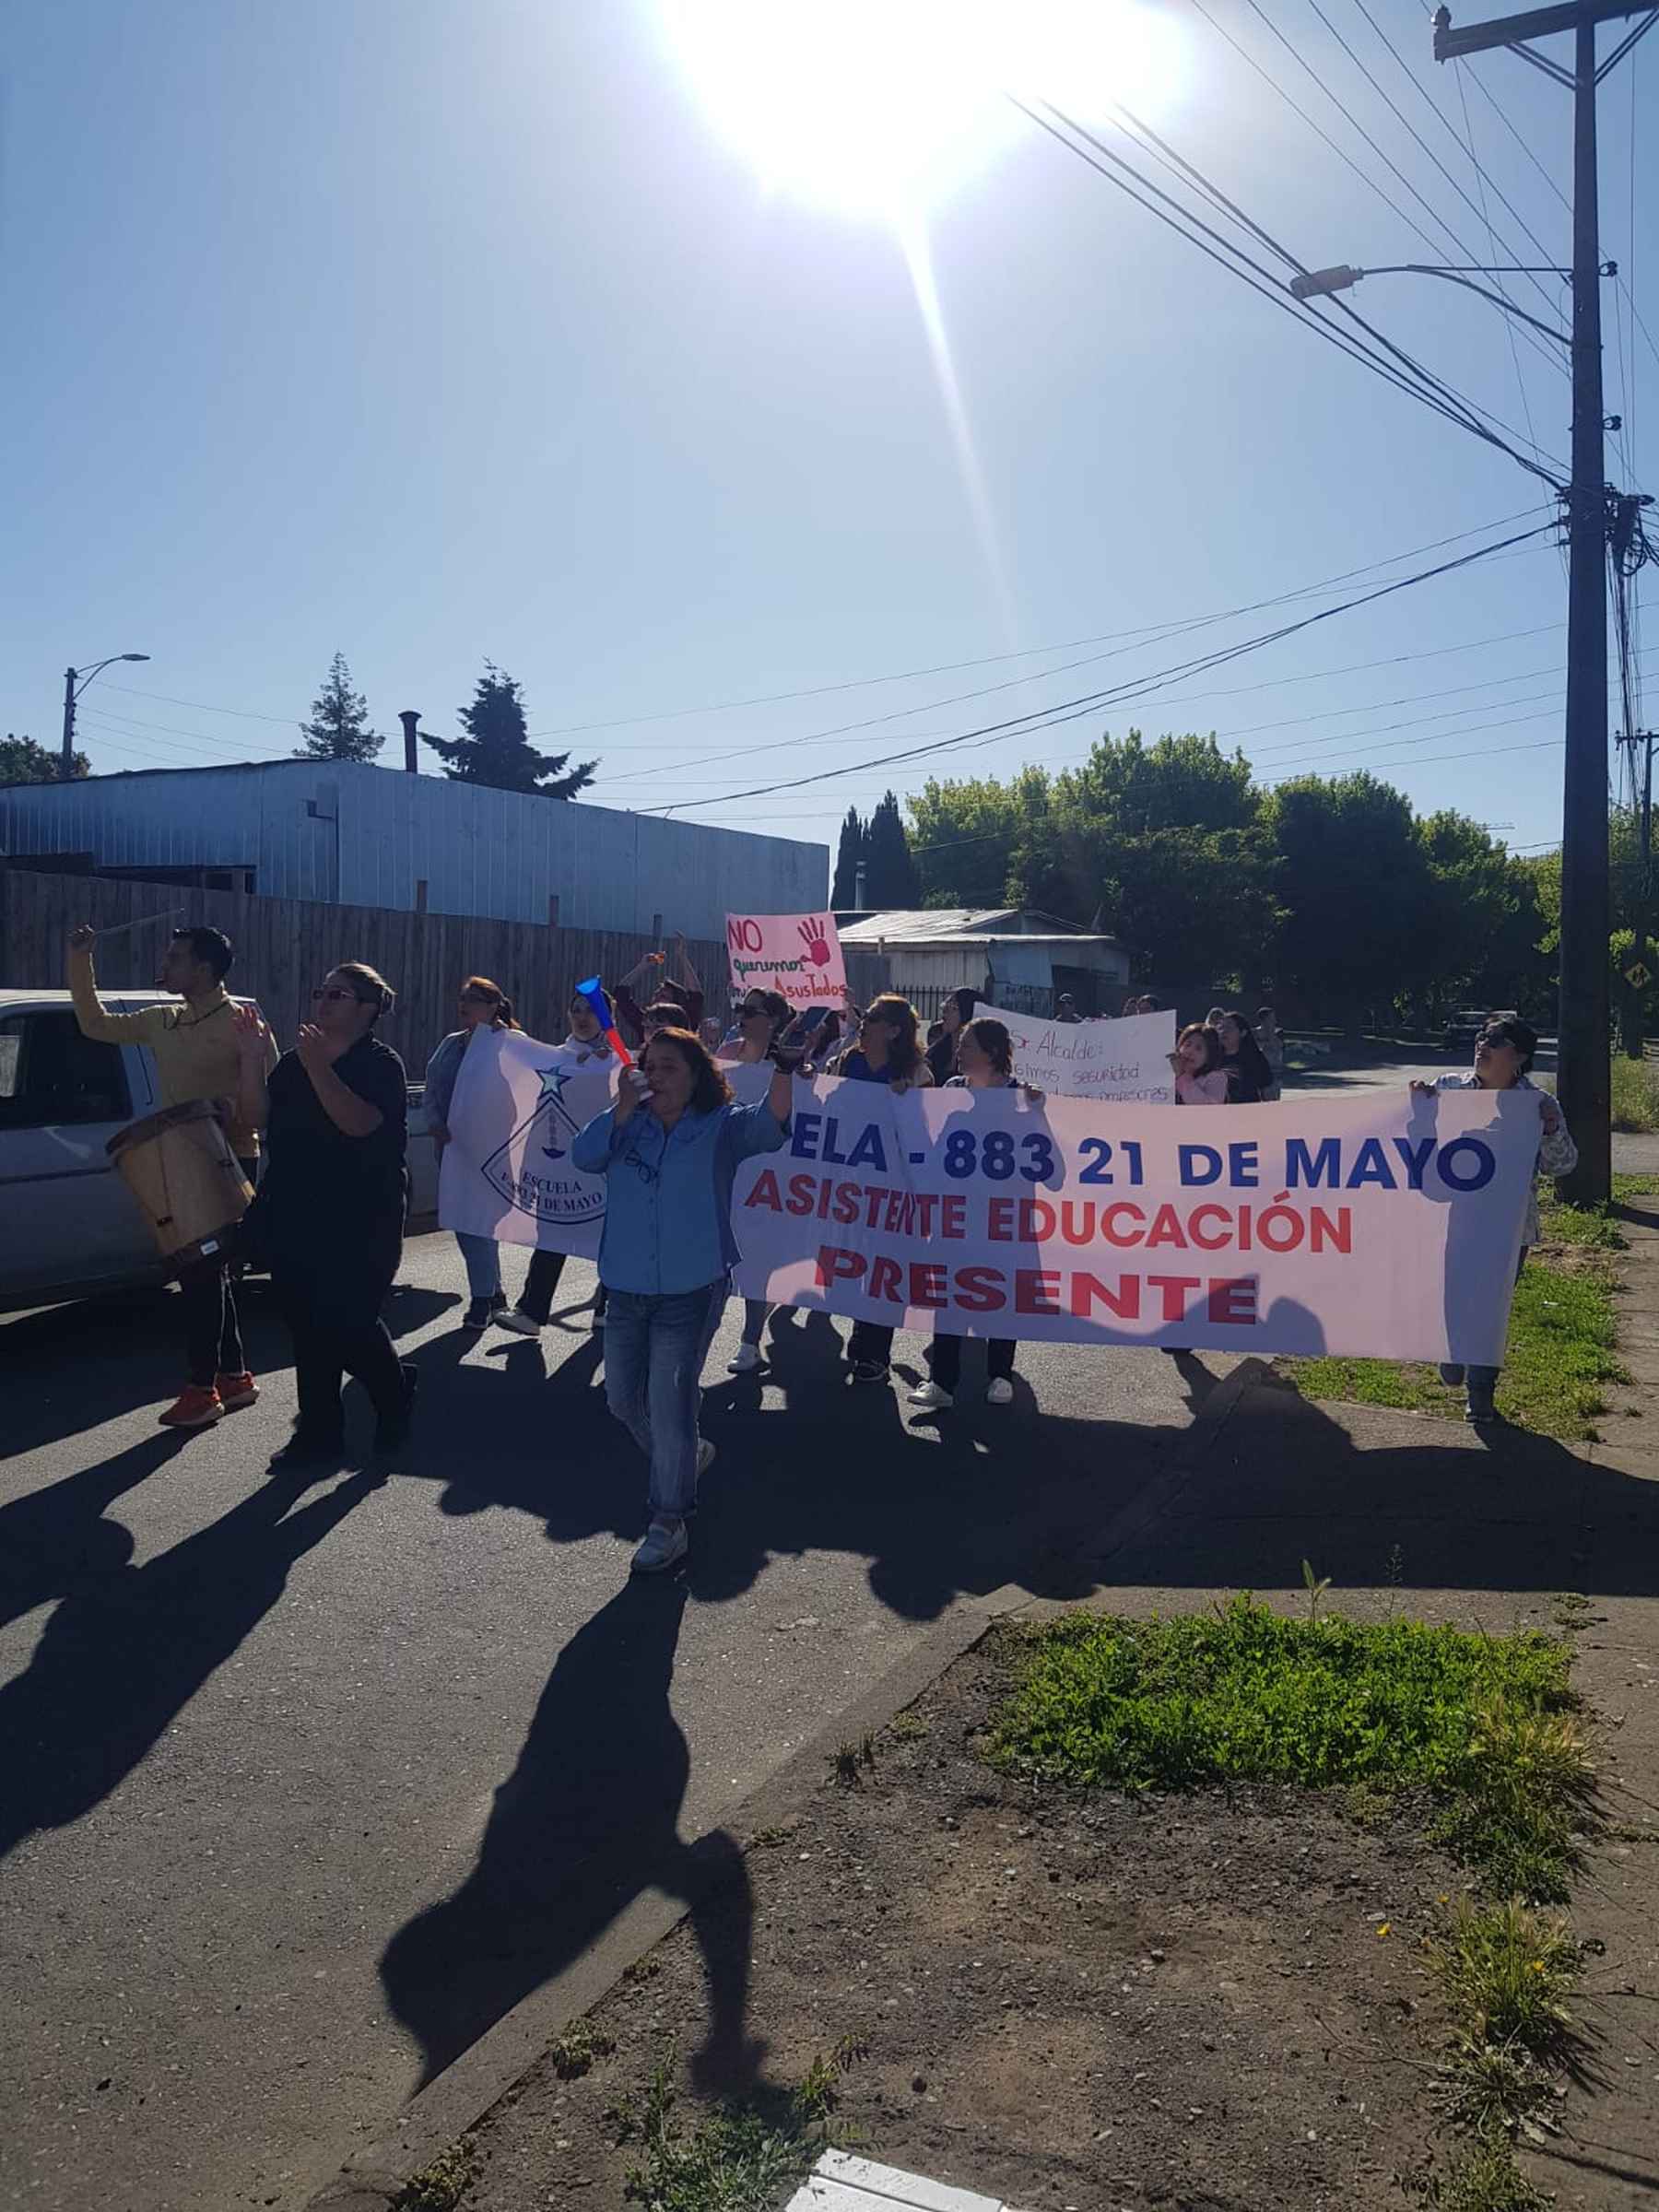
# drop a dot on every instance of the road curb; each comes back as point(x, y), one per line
point(459, 2097)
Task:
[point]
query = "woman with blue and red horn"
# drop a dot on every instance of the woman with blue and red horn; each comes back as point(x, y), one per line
point(669, 1148)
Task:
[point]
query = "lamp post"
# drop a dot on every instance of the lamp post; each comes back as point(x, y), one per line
point(1316, 284)
point(75, 682)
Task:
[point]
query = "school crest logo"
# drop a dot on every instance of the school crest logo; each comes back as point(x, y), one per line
point(532, 1171)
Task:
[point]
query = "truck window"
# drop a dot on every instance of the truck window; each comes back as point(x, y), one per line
point(49, 1074)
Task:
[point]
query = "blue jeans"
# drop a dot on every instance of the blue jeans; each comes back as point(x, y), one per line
point(483, 1257)
point(654, 1349)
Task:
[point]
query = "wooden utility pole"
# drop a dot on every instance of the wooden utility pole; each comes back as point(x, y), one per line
point(1585, 1078)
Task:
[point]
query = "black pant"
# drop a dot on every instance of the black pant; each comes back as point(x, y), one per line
point(331, 1339)
point(870, 1344)
point(536, 1297)
point(944, 1357)
point(212, 1339)
point(213, 1344)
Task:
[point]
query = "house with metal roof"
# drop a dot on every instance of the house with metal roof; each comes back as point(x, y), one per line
point(1015, 956)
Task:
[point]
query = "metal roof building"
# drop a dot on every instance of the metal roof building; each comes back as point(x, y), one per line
point(348, 833)
point(1014, 956)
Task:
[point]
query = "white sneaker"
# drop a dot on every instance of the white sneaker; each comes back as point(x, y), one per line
point(1001, 1392)
point(519, 1321)
point(705, 1455)
point(748, 1359)
point(665, 1541)
point(929, 1393)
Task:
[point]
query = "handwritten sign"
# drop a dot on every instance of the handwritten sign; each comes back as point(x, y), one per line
point(798, 955)
point(1127, 1059)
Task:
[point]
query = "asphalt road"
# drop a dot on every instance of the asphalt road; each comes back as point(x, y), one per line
point(303, 1788)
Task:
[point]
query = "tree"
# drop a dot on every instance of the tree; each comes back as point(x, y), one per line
point(844, 891)
point(890, 878)
point(337, 730)
point(1356, 883)
point(1177, 784)
point(24, 761)
point(496, 750)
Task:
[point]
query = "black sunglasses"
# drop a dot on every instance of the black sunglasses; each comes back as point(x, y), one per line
point(334, 993)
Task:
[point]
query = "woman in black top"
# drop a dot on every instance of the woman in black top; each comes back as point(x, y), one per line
point(955, 1014)
point(1249, 1077)
point(328, 1220)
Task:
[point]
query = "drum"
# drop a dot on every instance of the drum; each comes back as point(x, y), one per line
point(178, 1166)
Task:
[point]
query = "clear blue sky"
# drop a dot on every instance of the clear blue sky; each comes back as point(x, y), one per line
point(439, 330)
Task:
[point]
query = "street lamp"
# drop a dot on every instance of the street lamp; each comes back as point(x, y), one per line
point(1317, 284)
point(74, 683)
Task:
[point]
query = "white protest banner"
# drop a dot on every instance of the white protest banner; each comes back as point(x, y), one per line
point(1386, 1225)
point(798, 955)
point(506, 1170)
point(1126, 1059)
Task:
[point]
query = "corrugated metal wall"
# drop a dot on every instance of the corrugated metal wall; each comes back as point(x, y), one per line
point(365, 836)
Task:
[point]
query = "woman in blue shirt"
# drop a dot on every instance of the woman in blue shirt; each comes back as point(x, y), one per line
point(668, 1149)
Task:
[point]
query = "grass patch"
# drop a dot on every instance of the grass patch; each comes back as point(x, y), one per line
point(440, 2186)
point(1560, 1353)
point(1635, 1094)
point(739, 2159)
point(576, 2051)
point(1506, 1972)
point(1484, 1724)
point(1484, 2178)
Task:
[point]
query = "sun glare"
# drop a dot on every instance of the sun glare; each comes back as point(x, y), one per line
point(883, 108)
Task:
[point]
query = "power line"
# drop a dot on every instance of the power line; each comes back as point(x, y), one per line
point(1416, 134)
point(1481, 752)
point(1427, 388)
point(1467, 151)
point(772, 744)
point(1072, 710)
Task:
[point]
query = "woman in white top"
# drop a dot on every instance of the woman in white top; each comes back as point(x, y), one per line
point(1503, 1058)
point(984, 1062)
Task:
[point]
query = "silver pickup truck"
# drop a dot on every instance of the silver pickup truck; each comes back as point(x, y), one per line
point(67, 1226)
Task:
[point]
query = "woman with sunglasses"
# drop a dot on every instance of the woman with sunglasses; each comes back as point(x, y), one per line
point(328, 1220)
point(483, 1006)
point(953, 1017)
point(884, 1049)
point(669, 1149)
point(1503, 1058)
point(530, 1315)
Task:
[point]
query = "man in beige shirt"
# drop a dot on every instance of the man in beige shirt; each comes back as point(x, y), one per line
point(194, 1046)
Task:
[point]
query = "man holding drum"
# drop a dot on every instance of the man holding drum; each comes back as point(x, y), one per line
point(194, 1046)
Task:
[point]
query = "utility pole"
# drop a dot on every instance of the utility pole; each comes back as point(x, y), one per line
point(66, 758)
point(1584, 1071)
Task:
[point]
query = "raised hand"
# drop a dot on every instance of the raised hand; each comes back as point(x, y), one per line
point(82, 939)
point(316, 1053)
point(252, 1033)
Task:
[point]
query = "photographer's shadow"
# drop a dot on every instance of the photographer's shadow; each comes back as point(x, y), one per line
point(586, 1822)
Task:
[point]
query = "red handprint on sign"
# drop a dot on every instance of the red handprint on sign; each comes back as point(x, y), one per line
point(817, 943)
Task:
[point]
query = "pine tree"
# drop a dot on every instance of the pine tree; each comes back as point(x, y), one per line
point(844, 891)
point(497, 749)
point(890, 873)
point(336, 730)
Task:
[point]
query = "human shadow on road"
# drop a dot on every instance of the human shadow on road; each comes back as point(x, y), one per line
point(129, 1647)
point(586, 1821)
point(100, 1358)
point(55, 1538)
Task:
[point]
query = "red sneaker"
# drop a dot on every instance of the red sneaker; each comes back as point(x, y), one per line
point(197, 1405)
point(236, 1390)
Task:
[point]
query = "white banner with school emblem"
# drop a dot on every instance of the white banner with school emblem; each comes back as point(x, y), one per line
point(506, 1170)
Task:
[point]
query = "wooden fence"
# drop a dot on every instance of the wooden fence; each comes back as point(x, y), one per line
point(284, 947)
